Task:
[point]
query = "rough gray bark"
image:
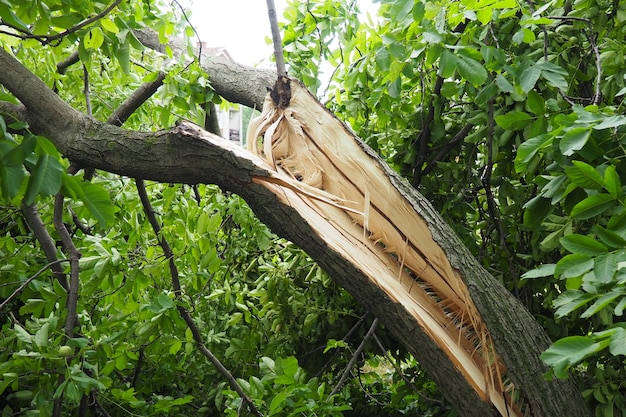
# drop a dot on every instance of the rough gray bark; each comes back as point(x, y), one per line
point(185, 154)
point(235, 82)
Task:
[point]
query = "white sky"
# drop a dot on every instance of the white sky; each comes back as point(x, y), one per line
point(241, 26)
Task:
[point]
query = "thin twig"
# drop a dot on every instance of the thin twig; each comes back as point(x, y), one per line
point(118, 118)
point(401, 373)
point(30, 279)
point(86, 90)
point(46, 39)
point(486, 179)
point(79, 224)
point(354, 358)
point(592, 39)
point(424, 137)
point(182, 10)
point(461, 134)
point(169, 254)
point(278, 45)
point(345, 338)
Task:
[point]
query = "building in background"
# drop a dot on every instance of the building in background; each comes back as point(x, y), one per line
point(228, 114)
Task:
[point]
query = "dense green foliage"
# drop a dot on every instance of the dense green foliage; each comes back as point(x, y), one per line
point(508, 117)
point(273, 318)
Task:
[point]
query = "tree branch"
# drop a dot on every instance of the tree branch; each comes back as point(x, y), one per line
point(400, 372)
point(135, 100)
point(72, 295)
point(169, 254)
point(47, 243)
point(46, 39)
point(424, 137)
point(278, 45)
point(188, 154)
point(235, 82)
point(74, 256)
point(29, 280)
point(118, 118)
point(354, 358)
point(461, 134)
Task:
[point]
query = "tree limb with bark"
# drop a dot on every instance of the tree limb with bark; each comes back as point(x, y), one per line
point(313, 182)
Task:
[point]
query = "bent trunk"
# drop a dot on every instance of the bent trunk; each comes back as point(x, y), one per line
point(323, 189)
point(477, 341)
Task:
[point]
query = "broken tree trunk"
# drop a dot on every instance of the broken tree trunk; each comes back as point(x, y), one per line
point(408, 257)
point(321, 188)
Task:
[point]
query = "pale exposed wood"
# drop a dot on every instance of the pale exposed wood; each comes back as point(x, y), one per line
point(371, 224)
point(187, 154)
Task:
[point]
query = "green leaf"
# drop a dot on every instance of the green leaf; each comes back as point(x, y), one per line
point(617, 343)
point(122, 54)
point(605, 267)
point(94, 196)
point(108, 25)
point(569, 351)
point(504, 84)
point(289, 365)
point(529, 149)
point(8, 15)
point(41, 337)
point(610, 238)
point(11, 179)
point(93, 39)
point(486, 93)
point(535, 211)
point(584, 175)
point(574, 139)
point(573, 265)
point(44, 145)
point(556, 188)
point(535, 103)
point(17, 155)
point(601, 303)
point(277, 403)
point(612, 182)
point(582, 244)
point(383, 59)
point(46, 178)
point(515, 120)
point(22, 334)
point(554, 75)
point(611, 122)
point(284, 380)
point(484, 15)
point(529, 78)
point(447, 64)
point(545, 270)
point(592, 206)
point(395, 88)
point(401, 8)
point(472, 70)
point(267, 364)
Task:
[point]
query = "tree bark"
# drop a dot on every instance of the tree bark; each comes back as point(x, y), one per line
point(187, 154)
point(235, 82)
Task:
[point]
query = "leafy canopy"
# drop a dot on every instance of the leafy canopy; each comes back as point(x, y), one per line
point(507, 116)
